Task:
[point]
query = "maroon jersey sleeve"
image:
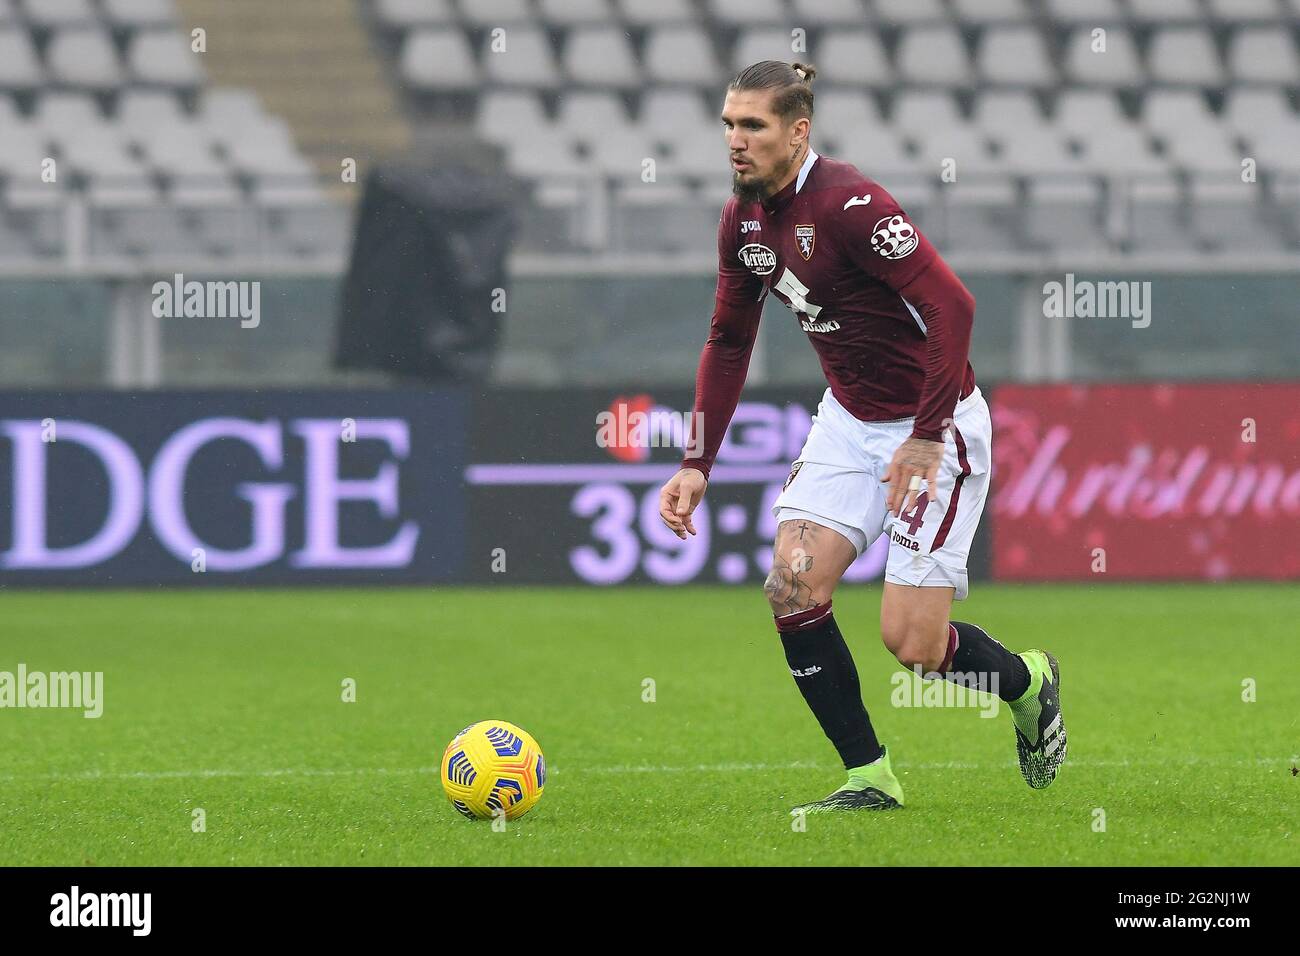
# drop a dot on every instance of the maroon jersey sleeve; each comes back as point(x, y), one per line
point(738, 305)
point(886, 245)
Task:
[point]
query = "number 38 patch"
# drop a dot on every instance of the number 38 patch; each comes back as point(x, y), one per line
point(894, 237)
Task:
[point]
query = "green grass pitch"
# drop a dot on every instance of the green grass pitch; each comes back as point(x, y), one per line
point(231, 702)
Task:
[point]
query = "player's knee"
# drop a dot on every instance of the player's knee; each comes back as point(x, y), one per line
point(913, 646)
point(788, 590)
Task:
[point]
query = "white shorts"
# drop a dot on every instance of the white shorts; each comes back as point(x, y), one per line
point(836, 483)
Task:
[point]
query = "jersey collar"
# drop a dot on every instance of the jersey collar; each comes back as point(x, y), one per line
point(805, 169)
point(775, 202)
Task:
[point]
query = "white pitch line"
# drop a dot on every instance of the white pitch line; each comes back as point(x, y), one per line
point(616, 769)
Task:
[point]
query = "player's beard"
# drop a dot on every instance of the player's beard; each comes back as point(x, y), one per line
point(760, 189)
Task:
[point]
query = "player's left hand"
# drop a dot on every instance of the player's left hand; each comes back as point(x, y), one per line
point(916, 456)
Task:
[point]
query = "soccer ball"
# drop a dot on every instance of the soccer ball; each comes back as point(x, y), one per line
point(493, 767)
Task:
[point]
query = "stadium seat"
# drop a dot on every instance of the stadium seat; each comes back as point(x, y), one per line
point(60, 13)
point(698, 156)
point(527, 60)
point(659, 13)
point(19, 67)
point(878, 150)
point(677, 55)
point(8, 14)
point(267, 148)
point(184, 158)
point(1064, 211)
point(84, 57)
point(600, 56)
point(438, 60)
point(1089, 13)
point(1035, 150)
point(1184, 56)
point(837, 110)
point(164, 58)
point(115, 177)
point(933, 56)
point(853, 58)
point(1015, 56)
point(1083, 113)
point(829, 12)
point(764, 43)
point(624, 156)
point(145, 111)
point(1248, 111)
point(9, 114)
point(1165, 11)
point(668, 115)
point(572, 12)
point(588, 117)
point(547, 157)
point(25, 148)
point(1276, 149)
point(504, 115)
point(1124, 151)
point(1225, 212)
point(910, 12)
point(992, 11)
point(1117, 66)
point(232, 109)
point(1169, 112)
point(1159, 219)
point(66, 110)
point(140, 13)
point(1203, 151)
point(746, 13)
point(405, 14)
point(496, 13)
point(1001, 111)
point(1238, 11)
point(916, 111)
point(962, 144)
point(1263, 55)
point(202, 190)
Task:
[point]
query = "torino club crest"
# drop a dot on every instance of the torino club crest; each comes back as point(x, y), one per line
point(806, 236)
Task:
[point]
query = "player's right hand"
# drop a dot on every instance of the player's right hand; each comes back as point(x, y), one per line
point(678, 498)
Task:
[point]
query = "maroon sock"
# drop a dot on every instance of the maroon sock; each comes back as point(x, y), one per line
point(974, 659)
point(824, 672)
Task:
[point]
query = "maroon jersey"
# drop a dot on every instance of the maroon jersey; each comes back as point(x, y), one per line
point(889, 320)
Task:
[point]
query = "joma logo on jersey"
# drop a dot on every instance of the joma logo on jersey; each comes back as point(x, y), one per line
point(748, 225)
point(807, 236)
point(759, 259)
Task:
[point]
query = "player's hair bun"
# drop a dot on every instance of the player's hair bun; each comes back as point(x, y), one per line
point(806, 72)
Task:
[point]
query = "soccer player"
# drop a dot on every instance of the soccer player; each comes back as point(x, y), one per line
point(900, 444)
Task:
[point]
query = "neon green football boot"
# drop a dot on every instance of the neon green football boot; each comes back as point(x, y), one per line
point(1040, 731)
point(872, 786)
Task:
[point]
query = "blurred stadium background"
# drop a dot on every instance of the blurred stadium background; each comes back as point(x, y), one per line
point(523, 194)
point(474, 226)
point(229, 162)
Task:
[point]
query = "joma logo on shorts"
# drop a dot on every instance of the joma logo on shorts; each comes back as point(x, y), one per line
point(905, 542)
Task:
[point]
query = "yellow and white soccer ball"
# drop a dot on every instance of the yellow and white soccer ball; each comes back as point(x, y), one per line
point(492, 768)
